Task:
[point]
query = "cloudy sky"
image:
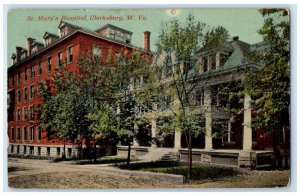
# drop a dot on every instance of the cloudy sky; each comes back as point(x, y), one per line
point(33, 23)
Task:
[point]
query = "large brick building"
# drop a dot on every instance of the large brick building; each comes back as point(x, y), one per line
point(37, 62)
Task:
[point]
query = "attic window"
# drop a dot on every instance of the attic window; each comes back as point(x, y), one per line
point(223, 59)
point(34, 50)
point(213, 62)
point(23, 56)
point(47, 41)
point(64, 31)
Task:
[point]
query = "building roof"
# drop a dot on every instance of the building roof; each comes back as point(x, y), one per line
point(46, 34)
point(77, 30)
point(239, 57)
point(114, 27)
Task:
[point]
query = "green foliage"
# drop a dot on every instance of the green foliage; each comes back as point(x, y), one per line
point(216, 37)
point(269, 86)
point(181, 39)
point(83, 104)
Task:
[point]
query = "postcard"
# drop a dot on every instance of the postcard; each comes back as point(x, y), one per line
point(148, 98)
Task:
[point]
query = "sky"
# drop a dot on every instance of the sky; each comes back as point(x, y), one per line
point(23, 23)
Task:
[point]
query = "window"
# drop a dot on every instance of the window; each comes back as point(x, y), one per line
point(254, 134)
point(31, 133)
point(49, 64)
point(220, 130)
point(39, 133)
point(25, 74)
point(18, 149)
point(213, 62)
point(119, 36)
point(40, 67)
point(223, 59)
point(39, 151)
point(24, 134)
point(31, 113)
point(69, 152)
point(215, 96)
point(31, 150)
point(32, 73)
point(25, 113)
point(12, 134)
point(19, 78)
point(18, 134)
point(18, 96)
point(48, 151)
point(127, 39)
point(12, 149)
point(219, 98)
point(205, 64)
point(59, 59)
point(70, 54)
point(31, 92)
point(18, 114)
point(58, 151)
point(25, 150)
point(97, 51)
point(23, 55)
point(199, 97)
point(25, 94)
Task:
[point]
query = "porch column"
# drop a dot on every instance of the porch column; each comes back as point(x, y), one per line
point(218, 59)
point(177, 140)
point(135, 143)
point(153, 131)
point(208, 118)
point(247, 137)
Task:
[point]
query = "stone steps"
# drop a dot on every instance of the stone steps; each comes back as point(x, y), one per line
point(161, 154)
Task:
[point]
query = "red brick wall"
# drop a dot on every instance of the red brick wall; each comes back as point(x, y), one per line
point(81, 43)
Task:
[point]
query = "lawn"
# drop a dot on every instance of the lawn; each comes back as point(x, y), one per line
point(105, 160)
point(199, 171)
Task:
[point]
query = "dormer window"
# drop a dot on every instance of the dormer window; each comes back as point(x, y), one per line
point(23, 55)
point(49, 38)
point(14, 58)
point(213, 61)
point(34, 50)
point(47, 42)
point(223, 59)
point(115, 33)
point(63, 31)
point(127, 39)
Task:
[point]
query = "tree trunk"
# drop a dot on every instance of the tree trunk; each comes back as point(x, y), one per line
point(94, 153)
point(190, 161)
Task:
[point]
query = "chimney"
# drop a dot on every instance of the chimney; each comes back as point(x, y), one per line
point(235, 38)
point(29, 42)
point(147, 40)
point(18, 53)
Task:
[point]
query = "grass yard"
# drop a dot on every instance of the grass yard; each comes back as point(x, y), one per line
point(199, 171)
point(105, 160)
